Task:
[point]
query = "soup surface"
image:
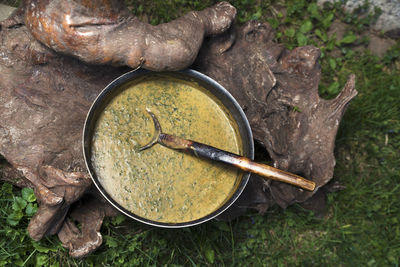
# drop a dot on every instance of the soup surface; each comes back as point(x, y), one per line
point(159, 183)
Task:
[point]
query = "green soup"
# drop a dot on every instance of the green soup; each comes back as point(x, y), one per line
point(162, 184)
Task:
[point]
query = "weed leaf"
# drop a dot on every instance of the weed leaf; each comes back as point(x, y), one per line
point(301, 39)
point(41, 248)
point(290, 32)
point(14, 218)
point(328, 20)
point(332, 63)
point(28, 194)
point(19, 204)
point(313, 9)
point(31, 209)
point(322, 36)
point(210, 255)
point(41, 259)
point(348, 39)
point(306, 26)
point(111, 242)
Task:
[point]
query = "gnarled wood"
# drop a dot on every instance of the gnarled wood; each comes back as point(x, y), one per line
point(278, 90)
point(103, 31)
point(44, 98)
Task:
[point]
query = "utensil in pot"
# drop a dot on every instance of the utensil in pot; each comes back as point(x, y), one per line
point(210, 152)
point(211, 88)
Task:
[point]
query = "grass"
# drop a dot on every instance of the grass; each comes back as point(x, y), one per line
point(361, 226)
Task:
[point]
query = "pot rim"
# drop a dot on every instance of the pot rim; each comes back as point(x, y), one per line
point(244, 129)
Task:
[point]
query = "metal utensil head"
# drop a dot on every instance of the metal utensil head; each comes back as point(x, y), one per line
point(156, 134)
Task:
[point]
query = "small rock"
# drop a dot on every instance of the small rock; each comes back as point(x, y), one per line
point(5, 11)
point(388, 21)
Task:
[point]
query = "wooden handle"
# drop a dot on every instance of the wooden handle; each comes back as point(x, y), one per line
point(251, 166)
point(275, 174)
point(243, 163)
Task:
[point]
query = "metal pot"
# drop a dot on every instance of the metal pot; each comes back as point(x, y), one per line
point(115, 87)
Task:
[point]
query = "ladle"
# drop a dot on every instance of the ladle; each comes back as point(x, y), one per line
point(206, 151)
